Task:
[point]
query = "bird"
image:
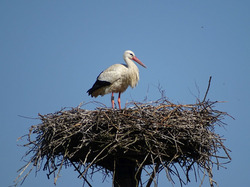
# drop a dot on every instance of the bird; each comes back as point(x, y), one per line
point(117, 78)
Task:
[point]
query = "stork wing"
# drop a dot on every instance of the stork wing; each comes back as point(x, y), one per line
point(113, 73)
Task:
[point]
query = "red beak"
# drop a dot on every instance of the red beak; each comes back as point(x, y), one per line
point(138, 61)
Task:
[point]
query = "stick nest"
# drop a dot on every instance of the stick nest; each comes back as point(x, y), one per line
point(156, 136)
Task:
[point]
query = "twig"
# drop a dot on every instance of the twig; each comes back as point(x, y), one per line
point(81, 174)
point(155, 170)
point(210, 78)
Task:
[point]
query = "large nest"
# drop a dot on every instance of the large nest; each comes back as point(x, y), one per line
point(156, 136)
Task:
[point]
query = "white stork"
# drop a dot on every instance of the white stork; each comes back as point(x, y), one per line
point(117, 78)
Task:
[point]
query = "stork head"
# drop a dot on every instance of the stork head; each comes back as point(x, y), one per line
point(130, 55)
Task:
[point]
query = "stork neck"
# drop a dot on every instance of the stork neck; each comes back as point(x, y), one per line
point(129, 62)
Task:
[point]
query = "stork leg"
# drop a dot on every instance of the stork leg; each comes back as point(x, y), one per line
point(119, 100)
point(112, 100)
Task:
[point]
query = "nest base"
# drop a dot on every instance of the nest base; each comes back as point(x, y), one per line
point(156, 136)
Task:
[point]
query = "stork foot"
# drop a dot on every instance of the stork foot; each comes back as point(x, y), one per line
point(119, 100)
point(113, 100)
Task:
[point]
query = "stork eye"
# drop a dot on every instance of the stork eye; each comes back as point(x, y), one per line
point(131, 54)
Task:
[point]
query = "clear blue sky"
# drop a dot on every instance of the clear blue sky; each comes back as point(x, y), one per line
point(52, 51)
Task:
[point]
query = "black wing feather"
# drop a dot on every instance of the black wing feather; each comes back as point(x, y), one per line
point(98, 84)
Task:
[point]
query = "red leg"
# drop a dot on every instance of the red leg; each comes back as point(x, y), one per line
point(112, 100)
point(119, 100)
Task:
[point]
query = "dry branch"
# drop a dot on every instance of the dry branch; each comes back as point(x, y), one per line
point(159, 134)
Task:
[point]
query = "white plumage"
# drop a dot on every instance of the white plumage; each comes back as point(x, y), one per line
point(117, 78)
